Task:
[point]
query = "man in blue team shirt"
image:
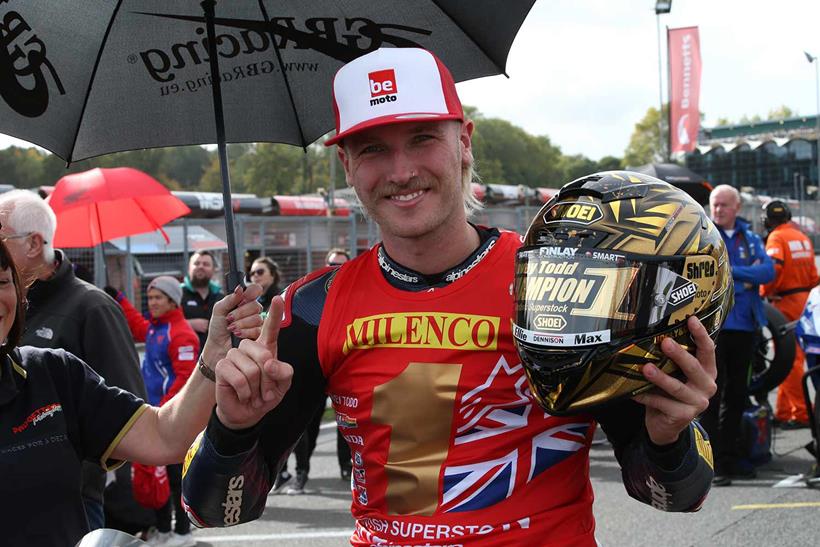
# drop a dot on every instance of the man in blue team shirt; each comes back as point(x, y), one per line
point(751, 267)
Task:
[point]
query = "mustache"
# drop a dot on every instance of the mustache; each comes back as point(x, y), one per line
point(390, 189)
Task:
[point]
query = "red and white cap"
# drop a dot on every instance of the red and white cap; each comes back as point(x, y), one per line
point(392, 85)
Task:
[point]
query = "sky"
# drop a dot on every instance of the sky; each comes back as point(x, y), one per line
point(584, 72)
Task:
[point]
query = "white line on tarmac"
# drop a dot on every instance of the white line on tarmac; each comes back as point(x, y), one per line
point(266, 537)
point(796, 505)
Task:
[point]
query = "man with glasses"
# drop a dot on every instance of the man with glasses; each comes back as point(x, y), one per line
point(68, 313)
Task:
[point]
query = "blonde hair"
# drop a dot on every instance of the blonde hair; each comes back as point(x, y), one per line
point(472, 205)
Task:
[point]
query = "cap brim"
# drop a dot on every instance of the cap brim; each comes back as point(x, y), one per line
point(392, 119)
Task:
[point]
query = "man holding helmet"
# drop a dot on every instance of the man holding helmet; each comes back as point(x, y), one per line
point(795, 277)
point(414, 344)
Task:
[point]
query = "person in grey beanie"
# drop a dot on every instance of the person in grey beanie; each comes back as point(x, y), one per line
point(171, 349)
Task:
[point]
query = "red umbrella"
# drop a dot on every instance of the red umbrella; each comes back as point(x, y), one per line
point(103, 204)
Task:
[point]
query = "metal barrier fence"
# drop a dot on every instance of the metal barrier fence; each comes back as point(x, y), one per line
point(297, 244)
point(806, 213)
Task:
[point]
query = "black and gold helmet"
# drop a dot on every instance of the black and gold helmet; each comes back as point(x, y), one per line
point(613, 264)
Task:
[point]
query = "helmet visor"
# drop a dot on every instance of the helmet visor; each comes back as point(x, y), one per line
point(570, 298)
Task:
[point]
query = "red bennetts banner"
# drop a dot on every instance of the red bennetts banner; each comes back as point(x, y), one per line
point(684, 88)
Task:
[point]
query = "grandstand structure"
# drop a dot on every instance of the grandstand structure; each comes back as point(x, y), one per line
point(777, 158)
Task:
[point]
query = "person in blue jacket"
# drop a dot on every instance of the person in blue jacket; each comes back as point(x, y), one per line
point(751, 267)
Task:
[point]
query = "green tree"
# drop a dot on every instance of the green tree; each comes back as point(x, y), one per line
point(268, 169)
point(645, 144)
point(22, 167)
point(185, 165)
point(489, 169)
point(781, 113)
point(506, 154)
point(292, 170)
point(750, 119)
point(211, 180)
point(609, 163)
point(577, 166)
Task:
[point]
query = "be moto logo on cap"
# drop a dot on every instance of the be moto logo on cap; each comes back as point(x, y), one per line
point(366, 91)
point(382, 82)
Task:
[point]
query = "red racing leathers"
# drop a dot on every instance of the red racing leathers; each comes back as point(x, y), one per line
point(446, 443)
point(448, 446)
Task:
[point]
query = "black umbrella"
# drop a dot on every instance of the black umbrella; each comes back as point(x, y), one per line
point(83, 78)
point(682, 177)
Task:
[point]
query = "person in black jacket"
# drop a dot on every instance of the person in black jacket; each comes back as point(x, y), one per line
point(68, 313)
point(56, 413)
point(200, 292)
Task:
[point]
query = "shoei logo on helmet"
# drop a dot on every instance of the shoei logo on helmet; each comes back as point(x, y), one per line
point(582, 213)
point(683, 294)
point(382, 86)
point(549, 322)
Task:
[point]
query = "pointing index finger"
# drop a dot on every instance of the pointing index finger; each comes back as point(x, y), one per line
point(270, 329)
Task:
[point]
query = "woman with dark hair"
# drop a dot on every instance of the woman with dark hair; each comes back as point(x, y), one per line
point(55, 413)
point(265, 272)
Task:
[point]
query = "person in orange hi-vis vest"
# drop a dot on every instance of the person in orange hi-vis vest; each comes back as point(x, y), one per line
point(795, 276)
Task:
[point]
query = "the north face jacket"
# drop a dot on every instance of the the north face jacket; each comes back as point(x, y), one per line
point(68, 313)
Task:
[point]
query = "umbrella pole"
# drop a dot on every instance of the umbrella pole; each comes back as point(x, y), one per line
point(233, 277)
point(100, 267)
